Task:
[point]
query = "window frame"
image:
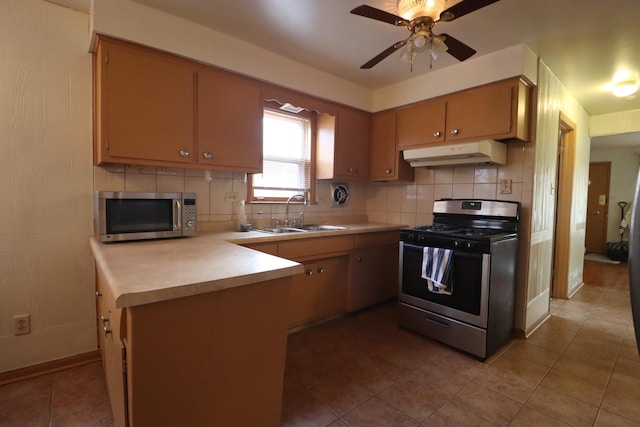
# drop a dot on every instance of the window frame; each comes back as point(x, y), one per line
point(312, 117)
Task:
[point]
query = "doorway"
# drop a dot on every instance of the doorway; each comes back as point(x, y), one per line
point(564, 201)
point(598, 207)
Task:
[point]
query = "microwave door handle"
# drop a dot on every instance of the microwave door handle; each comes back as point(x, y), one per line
point(177, 215)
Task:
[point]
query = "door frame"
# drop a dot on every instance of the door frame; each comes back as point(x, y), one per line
point(564, 186)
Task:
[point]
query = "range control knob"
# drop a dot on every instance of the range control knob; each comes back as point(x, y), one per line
point(462, 244)
point(190, 223)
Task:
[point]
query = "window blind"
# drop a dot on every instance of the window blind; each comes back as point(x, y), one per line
point(286, 156)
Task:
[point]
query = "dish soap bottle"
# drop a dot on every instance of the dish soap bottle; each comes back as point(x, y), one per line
point(260, 220)
point(242, 216)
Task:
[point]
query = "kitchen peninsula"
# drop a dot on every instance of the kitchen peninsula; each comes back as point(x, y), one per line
point(193, 331)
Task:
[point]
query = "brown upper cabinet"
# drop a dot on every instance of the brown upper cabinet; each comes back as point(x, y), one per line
point(157, 109)
point(229, 121)
point(342, 145)
point(497, 110)
point(144, 105)
point(386, 162)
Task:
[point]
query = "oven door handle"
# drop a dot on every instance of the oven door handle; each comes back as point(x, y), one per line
point(437, 322)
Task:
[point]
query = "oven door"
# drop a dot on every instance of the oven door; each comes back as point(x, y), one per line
point(468, 301)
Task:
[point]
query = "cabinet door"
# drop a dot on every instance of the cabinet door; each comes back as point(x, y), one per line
point(421, 124)
point(386, 162)
point(229, 122)
point(320, 291)
point(112, 350)
point(374, 276)
point(352, 144)
point(484, 112)
point(145, 105)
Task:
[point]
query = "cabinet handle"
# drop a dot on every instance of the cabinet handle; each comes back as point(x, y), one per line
point(437, 134)
point(359, 259)
point(309, 271)
point(184, 153)
point(388, 171)
point(207, 155)
point(454, 131)
point(106, 331)
point(350, 169)
point(98, 294)
point(104, 320)
point(320, 269)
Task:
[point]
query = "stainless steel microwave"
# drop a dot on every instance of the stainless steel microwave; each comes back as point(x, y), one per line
point(127, 215)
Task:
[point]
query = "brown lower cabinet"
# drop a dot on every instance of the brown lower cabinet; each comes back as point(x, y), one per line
point(211, 359)
point(319, 292)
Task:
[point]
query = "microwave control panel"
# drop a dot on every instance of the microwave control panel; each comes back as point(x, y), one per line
point(189, 216)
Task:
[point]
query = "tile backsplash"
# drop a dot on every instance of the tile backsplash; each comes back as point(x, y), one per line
point(393, 203)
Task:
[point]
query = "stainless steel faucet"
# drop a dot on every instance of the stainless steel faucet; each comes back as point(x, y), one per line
point(286, 213)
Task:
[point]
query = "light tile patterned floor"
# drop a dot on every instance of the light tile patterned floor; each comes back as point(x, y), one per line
point(580, 368)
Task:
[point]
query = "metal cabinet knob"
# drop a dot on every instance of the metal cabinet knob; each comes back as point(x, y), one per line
point(309, 272)
point(185, 153)
point(106, 331)
point(350, 169)
point(359, 259)
point(454, 131)
point(98, 294)
point(104, 320)
point(320, 269)
point(207, 155)
point(437, 134)
point(388, 171)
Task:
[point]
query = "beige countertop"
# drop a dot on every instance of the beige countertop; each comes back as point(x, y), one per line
point(157, 270)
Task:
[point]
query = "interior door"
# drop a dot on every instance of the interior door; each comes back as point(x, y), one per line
point(598, 206)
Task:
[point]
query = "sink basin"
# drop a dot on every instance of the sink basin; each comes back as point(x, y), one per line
point(316, 227)
point(281, 230)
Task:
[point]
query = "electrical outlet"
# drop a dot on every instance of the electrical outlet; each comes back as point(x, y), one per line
point(231, 197)
point(505, 186)
point(22, 324)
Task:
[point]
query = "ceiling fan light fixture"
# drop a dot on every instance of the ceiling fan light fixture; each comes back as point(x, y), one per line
point(625, 88)
point(411, 9)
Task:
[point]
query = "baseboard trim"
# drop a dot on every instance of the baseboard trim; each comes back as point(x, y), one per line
point(536, 325)
point(49, 367)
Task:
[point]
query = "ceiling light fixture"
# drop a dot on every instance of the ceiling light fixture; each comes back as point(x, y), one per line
point(411, 9)
point(625, 88)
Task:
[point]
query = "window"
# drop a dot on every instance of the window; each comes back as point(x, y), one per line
point(287, 162)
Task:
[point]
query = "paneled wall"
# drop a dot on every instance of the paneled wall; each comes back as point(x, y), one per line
point(552, 100)
point(46, 267)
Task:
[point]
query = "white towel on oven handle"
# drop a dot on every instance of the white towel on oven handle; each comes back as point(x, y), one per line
point(436, 269)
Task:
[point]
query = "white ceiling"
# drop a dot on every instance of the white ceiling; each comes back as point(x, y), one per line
point(584, 42)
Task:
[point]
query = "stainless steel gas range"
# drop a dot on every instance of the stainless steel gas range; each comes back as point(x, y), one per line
point(457, 276)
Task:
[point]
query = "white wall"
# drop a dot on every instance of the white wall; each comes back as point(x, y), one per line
point(624, 170)
point(46, 267)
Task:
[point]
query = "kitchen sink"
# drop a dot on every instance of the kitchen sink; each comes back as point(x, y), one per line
point(316, 227)
point(281, 230)
point(302, 229)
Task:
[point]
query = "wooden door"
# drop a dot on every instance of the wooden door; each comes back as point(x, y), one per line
point(421, 124)
point(229, 122)
point(483, 112)
point(146, 104)
point(597, 207)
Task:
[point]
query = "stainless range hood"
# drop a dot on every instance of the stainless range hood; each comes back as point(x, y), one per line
point(487, 152)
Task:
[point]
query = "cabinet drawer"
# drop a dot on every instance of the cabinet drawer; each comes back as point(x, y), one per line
point(376, 239)
point(311, 247)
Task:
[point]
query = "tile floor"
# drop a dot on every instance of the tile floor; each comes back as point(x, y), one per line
point(580, 368)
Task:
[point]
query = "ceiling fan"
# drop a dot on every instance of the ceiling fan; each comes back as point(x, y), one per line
point(419, 17)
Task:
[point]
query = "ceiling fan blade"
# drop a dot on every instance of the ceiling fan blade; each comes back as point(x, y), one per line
point(382, 55)
point(456, 48)
point(379, 15)
point(462, 8)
